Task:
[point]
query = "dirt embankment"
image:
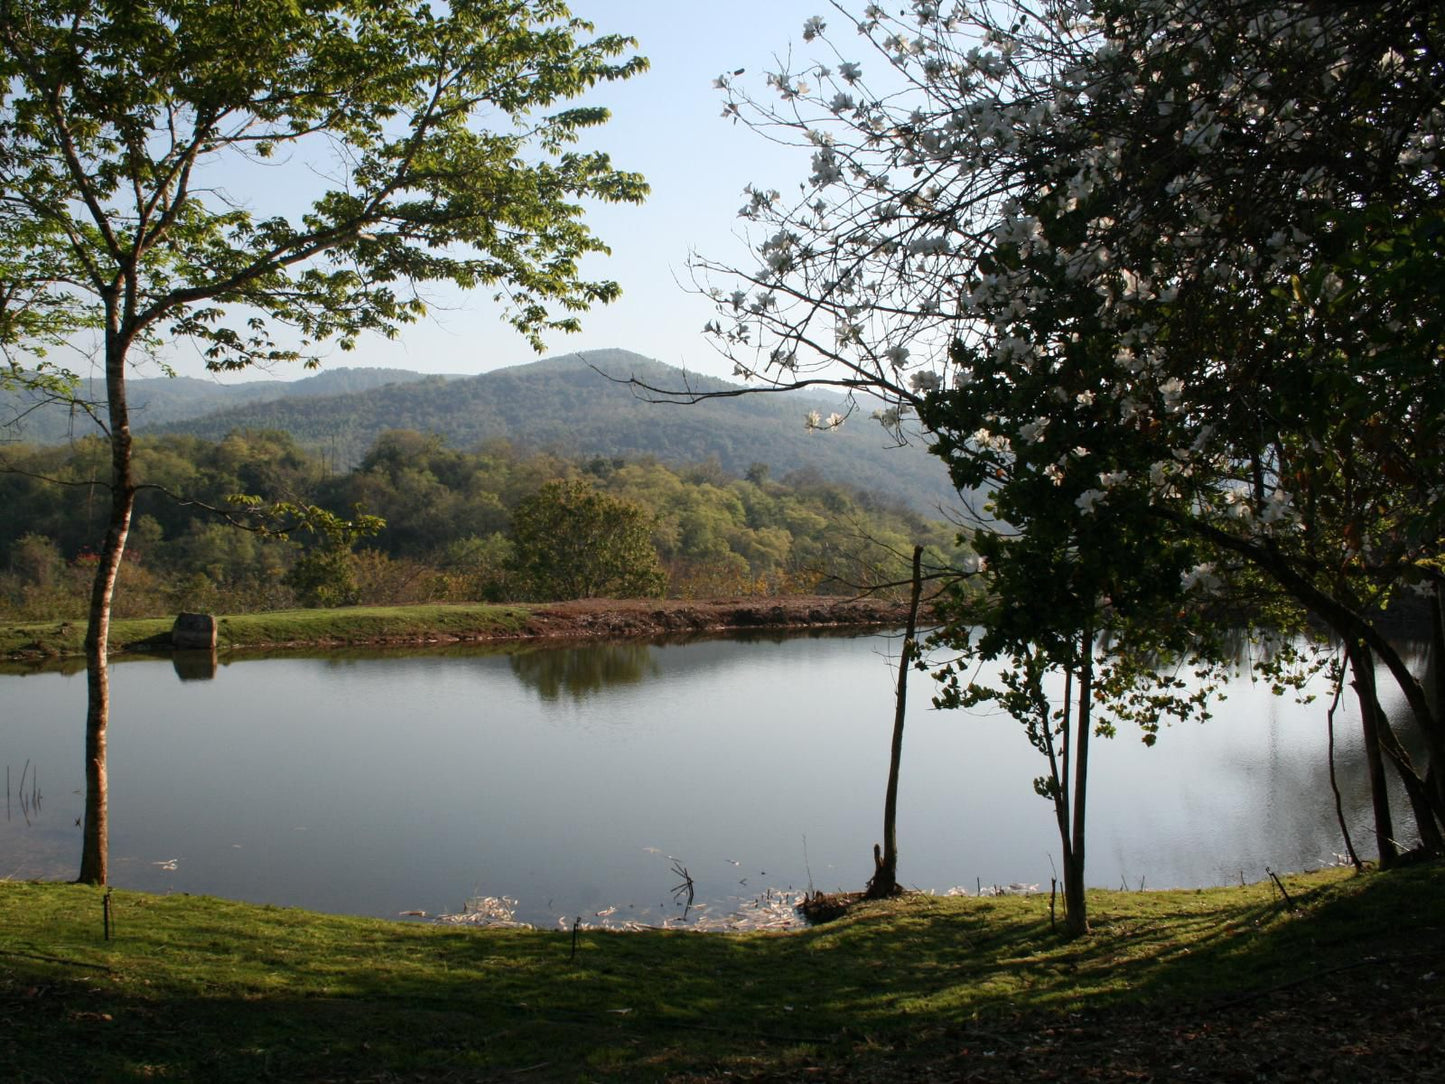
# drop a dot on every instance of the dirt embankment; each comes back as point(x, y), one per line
point(604, 619)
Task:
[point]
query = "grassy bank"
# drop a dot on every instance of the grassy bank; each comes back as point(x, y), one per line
point(198, 988)
point(354, 624)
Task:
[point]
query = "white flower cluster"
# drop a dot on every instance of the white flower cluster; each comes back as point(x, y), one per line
point(814, 421)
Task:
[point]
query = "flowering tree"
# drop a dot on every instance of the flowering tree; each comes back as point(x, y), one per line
point(1156, 276)
point(420, 149)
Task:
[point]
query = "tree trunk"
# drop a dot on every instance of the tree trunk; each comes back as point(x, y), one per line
point(1076, 913)
point(1435, 770)
point(885, 862)
point(1424, 802)
point(1351, 627)
point(1364, 685)
point(95, 845)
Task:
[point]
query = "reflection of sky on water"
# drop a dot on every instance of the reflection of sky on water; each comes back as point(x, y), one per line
point(567, 778)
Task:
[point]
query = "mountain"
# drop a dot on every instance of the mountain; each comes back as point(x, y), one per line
point(157, 401)
point(567, 404)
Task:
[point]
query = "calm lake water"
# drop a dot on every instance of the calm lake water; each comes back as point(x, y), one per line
point(569, 779)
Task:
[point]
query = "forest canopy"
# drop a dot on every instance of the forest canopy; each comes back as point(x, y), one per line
point(449, 534)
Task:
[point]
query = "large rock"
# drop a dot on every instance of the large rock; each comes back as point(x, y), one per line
point(194, 632)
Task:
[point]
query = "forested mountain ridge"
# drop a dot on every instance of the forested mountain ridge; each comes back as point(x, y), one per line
point(158, 401)
point(564, 403)
point(567, 404)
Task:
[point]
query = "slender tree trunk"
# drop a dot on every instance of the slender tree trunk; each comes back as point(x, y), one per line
point(1334, 782)
point(1364, 685)
point(1076, 914)
point(1424, 800)
point(885, 872)
point(1435, 770)
point(1351, 628)
point(95, 845)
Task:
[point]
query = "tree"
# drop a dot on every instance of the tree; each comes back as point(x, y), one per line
point(324, 576)
point(1229, 312)
point(1153, 271)
point(425, 130)
point(884, 882)
point(574, 542)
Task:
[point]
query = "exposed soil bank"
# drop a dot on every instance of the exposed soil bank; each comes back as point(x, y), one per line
point(605, 619)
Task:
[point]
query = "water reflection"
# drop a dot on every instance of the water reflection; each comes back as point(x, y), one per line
point(194, 665)
point(568, 779)
point(581, 672)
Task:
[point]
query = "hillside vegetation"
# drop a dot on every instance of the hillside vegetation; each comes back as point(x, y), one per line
point(451, 528)
point(565, 405)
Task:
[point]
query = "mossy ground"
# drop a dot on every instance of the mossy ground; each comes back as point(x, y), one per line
point(194, 988)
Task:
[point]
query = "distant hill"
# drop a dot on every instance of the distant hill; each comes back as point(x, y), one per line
point(564, 403)
point(157, 401)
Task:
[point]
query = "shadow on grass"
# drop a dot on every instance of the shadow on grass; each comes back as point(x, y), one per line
point(207, 989)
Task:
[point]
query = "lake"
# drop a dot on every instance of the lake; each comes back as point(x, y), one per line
point(571, 780)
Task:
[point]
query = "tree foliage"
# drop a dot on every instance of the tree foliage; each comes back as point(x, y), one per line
point(434, 151)
point(1154, 276)
point(574, 542)
point(448, 532)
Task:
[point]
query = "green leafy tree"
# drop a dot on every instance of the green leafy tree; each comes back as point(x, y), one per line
point(439, 152)
point(574, 542)
point(324, 576)
point(1153, 271)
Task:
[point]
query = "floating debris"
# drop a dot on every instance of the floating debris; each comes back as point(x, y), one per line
point(1015, 888)
point(774, 910)
point(499, 912)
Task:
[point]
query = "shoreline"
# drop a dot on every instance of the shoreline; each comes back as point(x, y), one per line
point(609, 619)
point(403, 626)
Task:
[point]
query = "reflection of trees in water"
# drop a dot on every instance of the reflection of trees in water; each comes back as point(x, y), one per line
point(581, 671)
point(1299, 805)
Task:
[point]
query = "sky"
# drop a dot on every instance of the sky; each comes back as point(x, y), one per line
point(667, 124)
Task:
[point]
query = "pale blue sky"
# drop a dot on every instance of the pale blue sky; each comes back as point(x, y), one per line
point(667, 124)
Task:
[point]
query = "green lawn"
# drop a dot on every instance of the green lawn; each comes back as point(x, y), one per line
point(353, 624)
point(194, 988)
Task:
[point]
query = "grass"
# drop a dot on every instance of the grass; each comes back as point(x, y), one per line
point(200, 988)
point(353, 624)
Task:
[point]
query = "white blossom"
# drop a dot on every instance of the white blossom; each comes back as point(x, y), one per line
point(924, 381)
point(1201, 576)
point(1278, 508)
point(1033, 432)
point(1236, 505)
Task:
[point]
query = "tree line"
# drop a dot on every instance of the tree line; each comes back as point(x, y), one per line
point(493, 524)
